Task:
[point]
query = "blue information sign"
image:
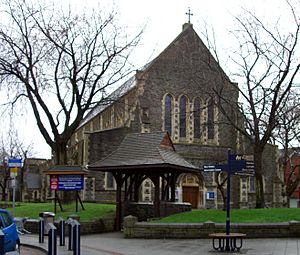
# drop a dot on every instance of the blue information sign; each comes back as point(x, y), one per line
point(14, 162)
point(70, 182)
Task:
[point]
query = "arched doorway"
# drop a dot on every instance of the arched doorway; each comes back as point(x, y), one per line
point(192, 190)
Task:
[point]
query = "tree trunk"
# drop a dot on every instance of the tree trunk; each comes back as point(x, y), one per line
point(61, 153)
point(259, 185)
point(61, 159)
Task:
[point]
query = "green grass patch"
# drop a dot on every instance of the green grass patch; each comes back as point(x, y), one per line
point(92, 211)
point(236, 216)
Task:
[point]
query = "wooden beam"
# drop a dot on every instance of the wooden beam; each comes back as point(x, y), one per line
point(156, 196)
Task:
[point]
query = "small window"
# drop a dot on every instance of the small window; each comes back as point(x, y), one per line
point(168, 114)
point(197, 118)
point(251, 184)
point(210, 120)
point(182, 115)
point(109, 180)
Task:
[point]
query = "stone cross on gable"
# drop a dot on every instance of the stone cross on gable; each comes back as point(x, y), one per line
point(189, 14)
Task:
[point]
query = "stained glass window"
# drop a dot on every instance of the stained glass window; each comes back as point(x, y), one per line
point(168, 113)
point(210, 120)
point(182, 116)
point(197, 118)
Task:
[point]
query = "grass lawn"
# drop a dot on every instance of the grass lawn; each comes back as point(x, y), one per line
point(236, 216)
point(92, 210)
point(95, 211)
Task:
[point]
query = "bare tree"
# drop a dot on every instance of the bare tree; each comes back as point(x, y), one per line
point(267, 66)
point(286, 134)
point(293, 177)
point(63, 63)
point(12, 147)
point(288, 128)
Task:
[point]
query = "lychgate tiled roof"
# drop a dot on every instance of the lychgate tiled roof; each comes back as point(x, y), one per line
point(144, 150)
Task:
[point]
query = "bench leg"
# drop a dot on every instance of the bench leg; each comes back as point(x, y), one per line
point(220, 242)
point(233, 244)
point(228, 244)
point(240, 246)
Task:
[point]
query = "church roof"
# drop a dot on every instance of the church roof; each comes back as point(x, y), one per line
point(131, 82)
point(103, 104)
point(144, 150)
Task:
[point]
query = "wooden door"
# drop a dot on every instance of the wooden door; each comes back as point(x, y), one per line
point(190, 195)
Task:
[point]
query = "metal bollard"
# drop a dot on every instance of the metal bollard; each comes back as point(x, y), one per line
point(52, 240)
point(1, 242)
point(41, 230)
point(76, 238)
point(70, 231)
point(62, 232)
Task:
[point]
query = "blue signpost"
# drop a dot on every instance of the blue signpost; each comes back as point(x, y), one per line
point(14, 164)
point(236, 164)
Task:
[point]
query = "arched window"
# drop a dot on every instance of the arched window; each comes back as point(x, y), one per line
point(182, 116)
point(168, 113)
point(197, 118)
point(109, 180)
point(210, 120)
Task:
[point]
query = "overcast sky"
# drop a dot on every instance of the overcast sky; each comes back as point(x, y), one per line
point(163, 20)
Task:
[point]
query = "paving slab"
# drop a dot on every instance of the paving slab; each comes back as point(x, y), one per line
point(115, 244)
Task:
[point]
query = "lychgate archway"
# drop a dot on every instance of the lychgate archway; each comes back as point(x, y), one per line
point(141, 156)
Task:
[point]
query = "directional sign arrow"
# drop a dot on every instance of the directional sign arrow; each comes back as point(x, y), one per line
point(215, 168)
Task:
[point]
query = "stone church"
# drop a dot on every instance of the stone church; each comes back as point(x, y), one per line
point(175, 92)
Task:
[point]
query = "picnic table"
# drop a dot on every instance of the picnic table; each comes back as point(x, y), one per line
point(227, 242)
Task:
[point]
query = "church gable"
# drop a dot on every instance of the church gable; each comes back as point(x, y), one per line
point(180, 83)
point(188, 57)
point(166, 142)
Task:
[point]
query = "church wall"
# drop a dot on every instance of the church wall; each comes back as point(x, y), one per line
point(186, 68)
point(103, 143)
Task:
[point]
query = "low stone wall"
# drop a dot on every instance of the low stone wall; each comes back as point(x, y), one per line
point(94, 227)
point(135, 229)
point(145, 210)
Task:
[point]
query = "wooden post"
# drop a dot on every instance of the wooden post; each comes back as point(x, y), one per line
point(173, 188)
point(55, 198)
point(136, 189)
point(118, 179)
point(163, 188)
point(156, 197)
point(80, 201)
point(126, 191)
point(76, 201)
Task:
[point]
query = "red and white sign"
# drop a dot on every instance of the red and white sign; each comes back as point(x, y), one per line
point(54, 182)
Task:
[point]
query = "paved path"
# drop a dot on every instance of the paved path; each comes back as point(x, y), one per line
point(115, 244)
point(30, 251)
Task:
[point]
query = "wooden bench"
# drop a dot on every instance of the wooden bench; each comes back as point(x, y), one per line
point(224, 242)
